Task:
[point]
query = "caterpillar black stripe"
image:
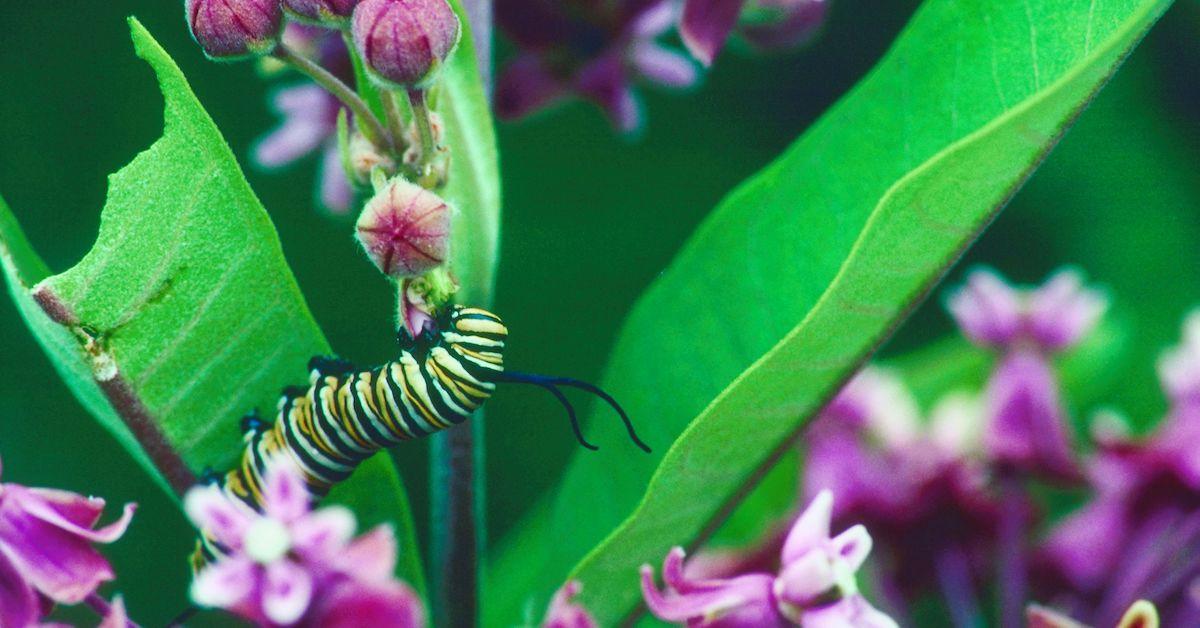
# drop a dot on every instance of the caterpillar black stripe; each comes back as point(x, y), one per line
point(346, 415)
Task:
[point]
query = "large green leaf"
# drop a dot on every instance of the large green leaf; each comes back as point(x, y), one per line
point(806, 268)
point(184, 314)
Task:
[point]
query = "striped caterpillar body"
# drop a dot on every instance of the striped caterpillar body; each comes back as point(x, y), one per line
point(346, 415)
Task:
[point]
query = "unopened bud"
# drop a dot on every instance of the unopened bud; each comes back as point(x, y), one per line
point(405, 42)
point(324, 12)
point(405, 229)
point(365, 157)
point(228, 30)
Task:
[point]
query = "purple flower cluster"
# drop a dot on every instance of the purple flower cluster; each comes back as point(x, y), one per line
point(1140, 534)
point(46, 553)
point(599, 50)
point(815, 587)
point(950, 501)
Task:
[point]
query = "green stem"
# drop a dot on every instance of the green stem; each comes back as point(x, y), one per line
point(421, 116)
point(366, 121)
point(395, 121)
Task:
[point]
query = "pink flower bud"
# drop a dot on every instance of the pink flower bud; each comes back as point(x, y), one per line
point(330, 12)
point(405, 229)
point(228, 30)
point(404, 42)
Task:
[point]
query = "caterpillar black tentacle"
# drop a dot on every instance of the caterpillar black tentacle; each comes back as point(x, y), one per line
point(345, 414)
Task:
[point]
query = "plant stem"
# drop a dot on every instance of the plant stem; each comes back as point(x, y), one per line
point(395, 121)
point(954, 577)
point(1011, 548)
point(366, 121)
point(421, 117)
point(458, 524)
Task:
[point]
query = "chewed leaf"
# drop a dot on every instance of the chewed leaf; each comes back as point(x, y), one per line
point(184, 315)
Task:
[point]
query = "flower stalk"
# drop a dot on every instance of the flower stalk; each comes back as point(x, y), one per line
point(367, 122)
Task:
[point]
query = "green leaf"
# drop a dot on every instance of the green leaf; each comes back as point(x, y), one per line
point(184, 315)
point(473, 187)
point(807, 267)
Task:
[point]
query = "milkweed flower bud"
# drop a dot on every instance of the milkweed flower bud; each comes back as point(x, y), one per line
point(229, 30)
point(326, 12)
point(405, 229)
point(404, 42)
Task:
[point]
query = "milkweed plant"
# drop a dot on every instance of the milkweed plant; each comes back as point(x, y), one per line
point(770, 444)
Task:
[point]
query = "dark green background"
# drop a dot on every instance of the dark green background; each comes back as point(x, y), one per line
point(590, 218)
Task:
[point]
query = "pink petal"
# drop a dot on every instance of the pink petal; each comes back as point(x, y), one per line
point(526, 86)
point(745, 596)
point(50, 552)
point(1027, 424)
point(987, 309)
point(212, 512)
point(811, 529)
point(323, 533)
point(371, 556)
point(73, 514)
point(1062, 310)
point(804, 580)
point(353, 604)
point(337, 195)
point(565, 614)
point(19, 604)
point(116, 617)
point(287, 592)
point(285, 496)
point(853, 546)
point(654, 21)
point(851, 612)
point(663, 66)
point(225, 583)
point(706, 25)
point(307, 122)
point(605, 82)
point(1041, 617)
point(79, 510)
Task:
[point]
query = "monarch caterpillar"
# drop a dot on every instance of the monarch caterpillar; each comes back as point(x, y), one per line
point(346, 415)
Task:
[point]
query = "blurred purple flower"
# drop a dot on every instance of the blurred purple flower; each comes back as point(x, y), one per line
point(771, 25)
point(707, 24)
point(1139, 537)
point(815, 586)
point(1027, 424)
point(1051, 317)
point(290, 565)
point(564, 613)
point(46, 553)
point(594, 50)
point(116, 617)
point(309, 119)
point(922, 491)
point(1140, 614)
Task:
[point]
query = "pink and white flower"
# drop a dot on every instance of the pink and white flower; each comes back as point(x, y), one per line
point(291, 565)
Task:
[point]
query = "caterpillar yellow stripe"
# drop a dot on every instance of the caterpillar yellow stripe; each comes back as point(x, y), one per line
point(346, 415)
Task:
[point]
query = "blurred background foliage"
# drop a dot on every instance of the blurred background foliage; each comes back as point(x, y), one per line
point(590, 218)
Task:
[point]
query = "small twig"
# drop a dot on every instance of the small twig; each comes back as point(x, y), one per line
point(370, 125)
point(395, 121)
point(421, 117)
